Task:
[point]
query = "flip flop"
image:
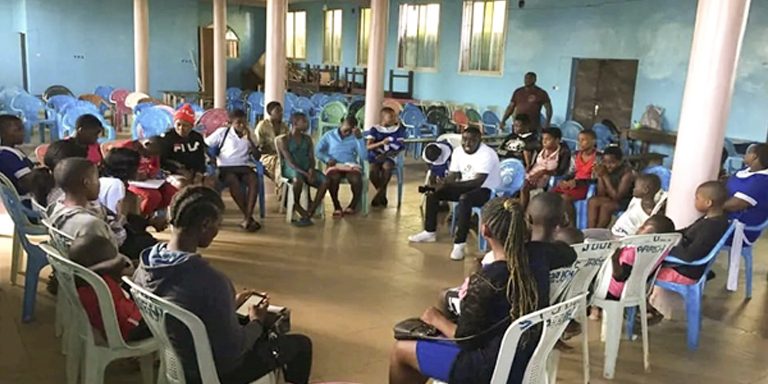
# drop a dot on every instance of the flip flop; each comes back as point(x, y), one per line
point(338, 214)
point(349, 211)
point(253, 226)
point(304, 222)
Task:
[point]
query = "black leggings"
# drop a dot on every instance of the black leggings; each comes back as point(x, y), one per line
point(467, 198)
point(294, 356)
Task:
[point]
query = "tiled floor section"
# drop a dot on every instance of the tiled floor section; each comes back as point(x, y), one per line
point(348, 281)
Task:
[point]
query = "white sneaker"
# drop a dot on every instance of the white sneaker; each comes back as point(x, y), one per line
point(423, 237)
point(458, 251)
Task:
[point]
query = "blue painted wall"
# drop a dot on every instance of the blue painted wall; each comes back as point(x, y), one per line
point(85, 43)
point(547, 35)
point(249, 23)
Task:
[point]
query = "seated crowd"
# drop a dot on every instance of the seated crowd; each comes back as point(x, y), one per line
point(101, 205)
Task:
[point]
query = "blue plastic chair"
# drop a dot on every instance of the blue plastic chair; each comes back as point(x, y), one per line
point(735, 161)
point(70, 118)
point(234, 99)
point(663, 173)
point(512, 180)
point(581, 207)
point(319, 100)
point(36, 259)
point(34, 113)
point(491, 123)
point(571, 130)
point(104, 91)
point(306, 106)
point(338, 97)
point(572, 144)
point(255, 104)
point(604, 134)
point(151, 122)
point(291, 98)
point(415, 122)
point(746, 253)
point(692, 294)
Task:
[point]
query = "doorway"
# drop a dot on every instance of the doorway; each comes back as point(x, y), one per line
point(603, 89)
point(206, 58)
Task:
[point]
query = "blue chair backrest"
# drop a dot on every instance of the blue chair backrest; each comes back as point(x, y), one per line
point(573, 145)
point(27, 105)
point(141, 107)
point(6, 95)
point(604, 135)
point(256, 99)
point(413, 117)
point(234, 93)
point(291, 98)
point(304, 105)
point(710, 259)
point(104, 91)
point(571, 129)
point(154, 122)
point(319, 100)
point(663, 173)
point(338, 97)
point(490, 118)
point(69, 119)
point(60, 102)
point(13, 204)
point(512, 177)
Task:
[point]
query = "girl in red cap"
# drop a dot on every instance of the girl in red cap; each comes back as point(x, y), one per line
point(183, 152)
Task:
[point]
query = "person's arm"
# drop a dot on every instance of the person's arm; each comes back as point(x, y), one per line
point(621, 271)
point(435, 318)
point(736, 204)
point(312, 160)
point(286, 155)
point(477, 182)
point(323, 148)
point(548, 110)
point(624, 188)
point(474, 311)
point(221, 306)
point(373, 144)
point(510, 110)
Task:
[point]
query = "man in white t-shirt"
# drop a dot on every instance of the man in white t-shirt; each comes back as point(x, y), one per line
point(473, 172)
point(233, 148)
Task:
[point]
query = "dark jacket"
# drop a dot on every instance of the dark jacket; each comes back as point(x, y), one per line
point(698, 240)
point(486, 304)
point(189, 281)
point(183, 152)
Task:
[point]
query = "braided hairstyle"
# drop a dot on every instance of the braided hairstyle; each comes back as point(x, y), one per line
point(192, 205)
point(505, 220)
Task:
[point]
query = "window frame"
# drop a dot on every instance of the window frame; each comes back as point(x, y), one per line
point(475, 72)
point(293, 34)
point(341, 35)
point(436, 65)
point(361, 10)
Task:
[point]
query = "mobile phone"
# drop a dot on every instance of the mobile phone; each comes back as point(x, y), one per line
point(253, 300)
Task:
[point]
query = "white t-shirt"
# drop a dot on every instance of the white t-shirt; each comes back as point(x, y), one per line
point(111, 192)
point(234, 152)
point(483, 161)
point(633, 218)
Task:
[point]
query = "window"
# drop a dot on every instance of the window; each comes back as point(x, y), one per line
point(417, 36)
point(363, 34)
point(482, 36)
point(233, 44)
point(332, 39)
point(296, 35)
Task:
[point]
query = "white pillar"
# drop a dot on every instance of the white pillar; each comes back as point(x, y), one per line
point(377, 49)
point(274, 81)
point(717, 39)
point(219, 54)
point(141, 45)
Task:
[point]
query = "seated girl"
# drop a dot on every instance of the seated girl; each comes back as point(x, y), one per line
point(385, 142)
point(341, 151)
point(152, 199)
point(648, 199)
point(553, 159)
point(487, 309)
point(615, 179)
point(575, 185)
point(235, 152)
point(297, 163)
point(184, 151)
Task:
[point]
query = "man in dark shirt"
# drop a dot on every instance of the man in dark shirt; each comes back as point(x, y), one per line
point(528, 100)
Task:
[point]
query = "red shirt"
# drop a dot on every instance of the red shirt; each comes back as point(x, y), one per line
point(128, 315)
point(148, 165)
point(528, 101)
point(583, 168)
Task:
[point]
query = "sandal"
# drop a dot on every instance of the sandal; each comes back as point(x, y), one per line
point(303, 222)
point(253, 225)
point(349, 211)
point(338, 214)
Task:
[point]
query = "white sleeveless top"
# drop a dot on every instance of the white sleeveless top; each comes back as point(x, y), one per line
point(634, 217)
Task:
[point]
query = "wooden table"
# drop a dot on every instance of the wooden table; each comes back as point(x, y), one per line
point(173, 98)
point(650, 136)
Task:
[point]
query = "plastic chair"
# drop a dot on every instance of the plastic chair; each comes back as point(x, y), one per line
point(287, 202)
point(649, 250)
point(153, 121)
point(415, 122)
point(105, 91)
point(360, 116)
point(552, 321)
point(394, 104)
point(54, 90)
point(95, 355)
point(331, 116)
point(460, 120)
point(573, 145)
point(604, 135)
point(746, 253)
point(212, 120)
point(475, 119)
point(664, 174)
point(512, 179)
point(255, 105)
point(96, 100)
point(33, 112)
point(735, 161)
point(69, 120)
point(581, 207)
point(692, 294)
point(59, 102)
point(156, 312)
point(235, 99)
point(491, 123)
point(571, 129)
point(134, 98)
point(575, 280)
point(22, 228)
point(117, 97)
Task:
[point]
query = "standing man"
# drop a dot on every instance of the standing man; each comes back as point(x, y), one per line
point(528, 100)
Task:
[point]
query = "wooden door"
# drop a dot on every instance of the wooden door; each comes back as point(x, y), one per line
point(603, 89)
point(206, 59)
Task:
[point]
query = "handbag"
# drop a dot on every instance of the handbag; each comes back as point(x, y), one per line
point(214, 151)
point(414, 329)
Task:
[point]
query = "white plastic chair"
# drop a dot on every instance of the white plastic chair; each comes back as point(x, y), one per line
point(61, 241)
point(649, 250)
point(155, 312)
point(95, 354)
point(569, 282)
point(287, 201)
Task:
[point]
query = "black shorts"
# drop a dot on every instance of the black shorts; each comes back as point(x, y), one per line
point(240, 172)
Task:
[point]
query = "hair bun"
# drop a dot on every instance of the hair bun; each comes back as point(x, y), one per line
point(509, 204)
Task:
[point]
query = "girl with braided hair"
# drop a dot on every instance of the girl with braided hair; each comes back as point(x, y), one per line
point(514, 284)
point(176, 271)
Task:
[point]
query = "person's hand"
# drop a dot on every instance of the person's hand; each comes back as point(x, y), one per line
point(186, 173)
point(311, 175)
point(357, 132)
point(159, 223)
point(331, 162)
point(141, 176)
point(259, 312)
point(432, 316)
point(241, 297)
point(600, 170)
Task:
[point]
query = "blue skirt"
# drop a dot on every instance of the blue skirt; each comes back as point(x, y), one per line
point(436, 358)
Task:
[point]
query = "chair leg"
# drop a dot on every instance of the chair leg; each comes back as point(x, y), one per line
point(553, 360)
point(262, 198)
point(747, 252)
point(693, 316)
point(146, 364)
point(612, 321)
point(400, 182)
point(74, 361)
point(15, 258)
point(93, 366)
point(35, 262)
point(585, 341)
point(644, 329)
